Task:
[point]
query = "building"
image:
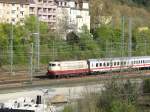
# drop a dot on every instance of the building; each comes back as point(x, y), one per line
point(13, 11)
point(73, 13)
point(63, 15)
point(45, 10)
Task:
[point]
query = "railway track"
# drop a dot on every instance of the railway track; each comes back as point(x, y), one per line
point(24, 79)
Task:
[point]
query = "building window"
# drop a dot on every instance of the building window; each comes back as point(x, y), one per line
point(13, 4)
point(31, 9)
point(21, 12)
point(50, 10)
point(21, 5)
point(65, 3)
point(54, 17)
point(13, 20)
point(44, 10)
point(44, 1)
point(50, 16)
point(50, 2)
point(54, 10)
point(13, 11)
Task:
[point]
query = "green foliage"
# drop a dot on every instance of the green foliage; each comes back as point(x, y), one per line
point(145, 3)
point(146, 86)
point(107, 37)
point(114, 98)
point(120, 106)
point(68, 109)
point(72, 38)
point(87, 44)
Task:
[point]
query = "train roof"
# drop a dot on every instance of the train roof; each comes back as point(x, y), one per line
point(120, 58)
point(67, 61)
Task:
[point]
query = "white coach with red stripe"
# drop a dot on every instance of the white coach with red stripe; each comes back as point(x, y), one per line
point(107, 64)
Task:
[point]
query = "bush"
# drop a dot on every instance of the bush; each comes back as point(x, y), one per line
point(146, 86)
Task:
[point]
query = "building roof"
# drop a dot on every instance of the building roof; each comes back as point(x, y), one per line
point(16, 1)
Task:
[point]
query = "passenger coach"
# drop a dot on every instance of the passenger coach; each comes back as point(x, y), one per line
point(107, 64)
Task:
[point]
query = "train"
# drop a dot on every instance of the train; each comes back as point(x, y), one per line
point(91, 66)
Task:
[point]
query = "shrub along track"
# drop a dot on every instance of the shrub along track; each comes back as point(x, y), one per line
point(23, 79)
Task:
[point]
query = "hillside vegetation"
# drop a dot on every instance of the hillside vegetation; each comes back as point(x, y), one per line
point(137, 9)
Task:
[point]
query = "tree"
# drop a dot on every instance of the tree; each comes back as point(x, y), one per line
point(146, 86)
point(88, 45)
point(120, 106)
point(108, 39)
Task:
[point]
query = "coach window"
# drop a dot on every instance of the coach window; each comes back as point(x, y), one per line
point(111, 63)
point(117, 63)
point(107, 64)
point(104, 64)
point(114, 63)
point(100, 64)
point(141, 61)
point(96, 64)
point(121, 63)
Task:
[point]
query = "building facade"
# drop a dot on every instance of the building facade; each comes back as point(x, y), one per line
point(13, 11)
point(63, 15)
point(45, 10)
point(74, 13)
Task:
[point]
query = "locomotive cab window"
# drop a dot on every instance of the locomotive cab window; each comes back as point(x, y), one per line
point(52, 64)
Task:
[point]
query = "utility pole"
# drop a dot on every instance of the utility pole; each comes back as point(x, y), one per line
point(122, 37)
point(145, 47)
point(37, 44)
point(106, 51)
point(11, 49)
point(53, 51)
point(130, 38)
point(31, 62)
